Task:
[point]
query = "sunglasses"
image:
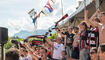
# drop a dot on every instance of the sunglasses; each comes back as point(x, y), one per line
point(92, 52)
point(103, 13)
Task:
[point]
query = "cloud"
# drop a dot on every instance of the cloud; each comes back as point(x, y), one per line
point(46, 22)
point(79, 0)
point(43, 23)
point(16, 25)
point(16, 12)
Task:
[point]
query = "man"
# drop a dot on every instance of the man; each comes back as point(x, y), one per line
point(102, 52)
point(100, 25)
point(26, 55)
point(77, 36)
point(93, 35)
point(102, 28)
point(43, 54)
point(69, 41)
point(58, 47)
point(93, 53)
point(12, 54)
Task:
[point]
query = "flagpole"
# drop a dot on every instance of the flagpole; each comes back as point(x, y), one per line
point(33, 16)
point(62, 7)
point(36, 27)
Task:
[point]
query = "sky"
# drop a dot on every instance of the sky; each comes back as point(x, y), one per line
point(14, 14)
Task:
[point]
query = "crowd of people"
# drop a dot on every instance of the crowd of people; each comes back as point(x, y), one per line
point(83, 42)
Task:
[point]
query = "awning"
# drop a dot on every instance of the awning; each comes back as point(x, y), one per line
point(79, 13)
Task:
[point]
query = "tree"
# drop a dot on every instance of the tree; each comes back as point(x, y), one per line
point(54, 36)
point(9, 44)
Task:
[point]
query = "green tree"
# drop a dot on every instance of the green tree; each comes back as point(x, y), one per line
point(9, 44)
point(54, 36)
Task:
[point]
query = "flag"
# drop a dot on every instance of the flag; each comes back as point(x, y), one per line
point(48, 9)
point(39, 14)
point(52, 1)
point(49, 5)
point(43, 13)
point(34, 19)
point(65, 16)
point(32, 13)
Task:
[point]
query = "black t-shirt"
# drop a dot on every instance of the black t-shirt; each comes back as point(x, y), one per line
point(69, 39)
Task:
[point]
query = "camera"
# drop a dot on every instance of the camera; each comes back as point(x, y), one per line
point(26, 40)
point(50, 31)
point(54, 28)
point(15, 42)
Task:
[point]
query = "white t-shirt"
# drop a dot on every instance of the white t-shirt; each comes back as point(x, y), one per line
point(57, 50)
point(21, 58)
point(26, 58)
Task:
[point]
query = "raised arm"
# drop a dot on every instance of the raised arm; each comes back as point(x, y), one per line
point(86, 17)
point(94, 15)
point(20, 50)
point(49, 41)
point(30, 51)
point(92, 19)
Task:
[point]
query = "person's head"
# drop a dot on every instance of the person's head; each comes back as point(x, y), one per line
point(76, 29)
point(54, 40)
point(93, 53)
point(97, 20)
point(83, 26)
point(102, 17)
point(70, 30)
point(59, 40)
point(43, 51)
point(33, 47)
point(12, 54)
point(63, 30)
point(64, 54)
point(102, 52)
point(30, 42)
point(25, 53)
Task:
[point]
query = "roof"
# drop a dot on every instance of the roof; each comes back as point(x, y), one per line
point(79, 10)
point(81, 7)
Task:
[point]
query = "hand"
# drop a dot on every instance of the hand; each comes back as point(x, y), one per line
point(98, 11)
point(24, 44)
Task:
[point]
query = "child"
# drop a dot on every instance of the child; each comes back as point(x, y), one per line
point(64, 55)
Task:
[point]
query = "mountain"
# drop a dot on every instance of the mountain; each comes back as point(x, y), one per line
point(25, 34)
